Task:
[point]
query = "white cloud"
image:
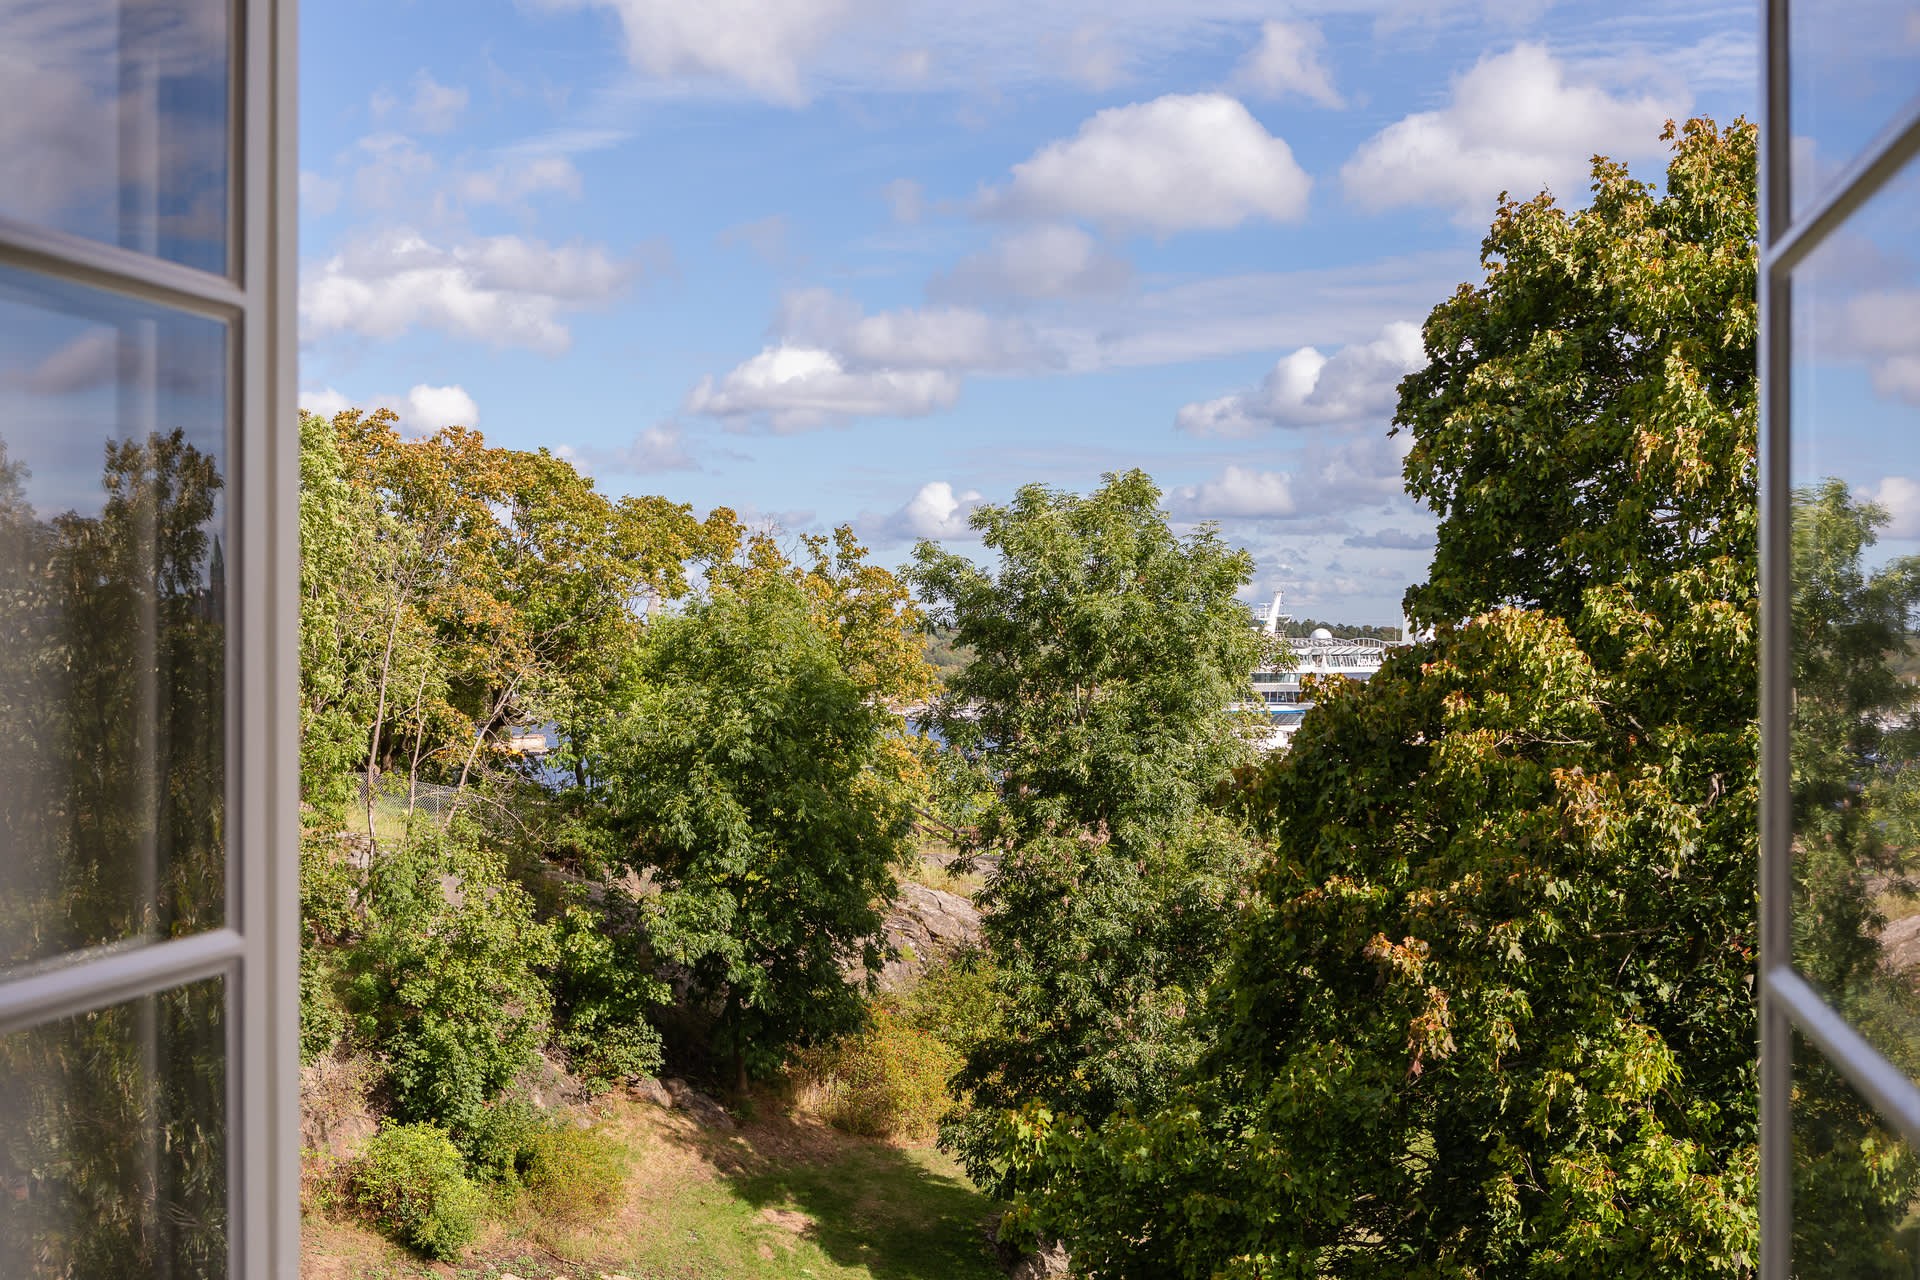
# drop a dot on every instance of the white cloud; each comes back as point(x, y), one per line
point(325, 403)
point(1883, 327)
point(1239, 493)
point(422, 411)
point(1288, 60)
point(395, 169)
point(759, 44)
point(1305, 388)
point(655, 448)
point(502, 290)
point(1901, 498)
point(92, 358)
point(1181, 162)
point(833, 362)
point(431, 408)
point(952, 338)
point(436, 107)
point(1333, 480)
point(798, 388)
point(517, 177)
point(936, 512)
point(1393, 539)
point(1055, 260)
point(1515, 123)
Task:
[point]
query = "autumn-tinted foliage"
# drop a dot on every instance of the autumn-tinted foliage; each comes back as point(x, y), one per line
point(1490, 1011)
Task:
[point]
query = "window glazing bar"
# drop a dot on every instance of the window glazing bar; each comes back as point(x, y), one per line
point(1776, 639)
point(1886, 1086)
point(1787, 243)
point(113, 974)
point(119, 270)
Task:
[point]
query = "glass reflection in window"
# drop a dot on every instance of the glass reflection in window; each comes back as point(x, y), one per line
point(113, 1141)
point(116, 122)
point(112, 620)
point(1854, 65)
point(1856, 600)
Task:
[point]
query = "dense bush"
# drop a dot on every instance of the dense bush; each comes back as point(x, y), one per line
point(574, 1172)
point(889, 1081)
point(603, 989)
point(412, 1181)
point(446, 983)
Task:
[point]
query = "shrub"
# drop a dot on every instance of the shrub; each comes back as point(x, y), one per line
point(446, 982)
point(412, 1181)
point(603, 988)
point(889, 1081)
point(502, 1144)
point(954, 1000)
point(574, 1172)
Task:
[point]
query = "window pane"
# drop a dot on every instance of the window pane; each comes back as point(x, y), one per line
point(116, 123)
point(1854, 64)
point(112, 619)
point(113, 1141)
point(1856, 584)
point(1854, 1181)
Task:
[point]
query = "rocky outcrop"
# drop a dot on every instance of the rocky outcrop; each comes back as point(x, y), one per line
point(922, 926)
point(335, 1116)
point(705, 1110)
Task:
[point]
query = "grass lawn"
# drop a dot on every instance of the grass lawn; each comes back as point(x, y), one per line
point(778, 1198)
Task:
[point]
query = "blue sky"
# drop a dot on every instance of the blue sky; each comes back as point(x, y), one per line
point(826, 260)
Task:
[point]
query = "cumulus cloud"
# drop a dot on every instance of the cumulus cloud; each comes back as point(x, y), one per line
point(101, 356)
point(325, 403)
point(1333, 480)
point(1056, 260)
point(393, 170)
point(1177, 163)
point(1239, 493)
point(955, 338)
point(1901, 499)
point(1306, 388)
point(436, 107)
point(422, 411)
point(1392, 539)
point(936, 512)
point(1883, 327)
point(758, 44)
point(517, 177)
point(798, 388)
point(502, 290)
point(832, 362)
point(1516, 123)
point(655, 448)
point(1288, 60)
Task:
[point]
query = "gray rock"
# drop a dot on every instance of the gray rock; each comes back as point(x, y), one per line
point(923, 925)
point(1052, 1260)
point(651, 1090)
point(703, 1109)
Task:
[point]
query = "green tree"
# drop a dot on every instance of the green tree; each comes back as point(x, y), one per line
point(1095, 711)
point(446, 981)
point(748, 773)
point(1490, 1012)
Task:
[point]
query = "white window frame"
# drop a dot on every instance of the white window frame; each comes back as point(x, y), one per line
point(257, 952)
point(1787, 1001)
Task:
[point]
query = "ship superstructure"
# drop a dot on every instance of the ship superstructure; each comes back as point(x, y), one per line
point(1276, 687)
